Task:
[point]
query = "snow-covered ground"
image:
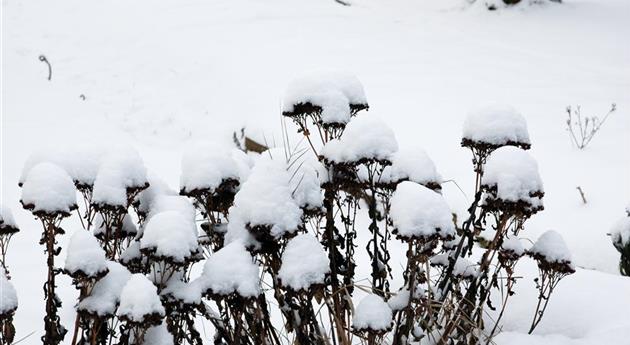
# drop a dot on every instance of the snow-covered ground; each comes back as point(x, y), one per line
point(162, 74)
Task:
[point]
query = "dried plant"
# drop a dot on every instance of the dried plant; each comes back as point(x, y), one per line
point(582, 129)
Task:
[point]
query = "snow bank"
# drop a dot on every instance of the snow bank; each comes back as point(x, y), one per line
point(230, 270)
point(48, 189)
point(170, 235)
point(420, 213)
point(105, 295)
point(85, 255)
point(496, 125)
point(265, 199)
point(8, 295)
point(514, 174)
point(205, 166)
point(139, 299)
point(372, 314)
point(365, 138)
point(304, 263)
point(335, 93)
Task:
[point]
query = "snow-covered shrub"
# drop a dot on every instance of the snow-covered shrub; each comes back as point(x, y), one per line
point(620, 236)
point(279, 229)
point(8, 228)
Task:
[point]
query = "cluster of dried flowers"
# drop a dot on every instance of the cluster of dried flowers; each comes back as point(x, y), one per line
point(277, 233)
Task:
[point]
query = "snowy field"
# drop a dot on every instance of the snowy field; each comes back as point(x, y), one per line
point(160, 75)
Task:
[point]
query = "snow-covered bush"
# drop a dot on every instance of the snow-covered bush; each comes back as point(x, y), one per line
point(8, 305)
point(620, 236)
point(279, 231)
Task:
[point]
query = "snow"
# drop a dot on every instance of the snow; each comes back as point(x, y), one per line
point(515, 175)
point(139, 299)
point(620, 232)
point(412, 164)
point(420, 213)
point(205, 166)
point(49, 189)
point(307, 176)
point(105, 295)
point(400, 300)
point(304, 263)
point(181, 204)
point(128, 226)
point(372, 314)
point(171, 235)
point(85, 255)
point(497, 125)
point(81, 162)
point(157, 187)
point(423, 78)
point(550, 246)
point(513, 245)
point(121, 169)
point(7, 222)
point(158, 335)
point(265, 200)
point(230, 270)
point(8, 295)
point(185, 292)
point(333, 92)
point(365, 137)
point(463, 268)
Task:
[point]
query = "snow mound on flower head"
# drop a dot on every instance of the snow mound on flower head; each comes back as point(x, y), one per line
point(628, 209)
point(265, 199)
point(412, 165)
point(333, 92)
point(158, 335)
point(8, 297)
point(6, 219)
point(231, 270)
point(372, 313)
point(163, 203)
point(85, 255)
point(157, 187)
point(170, 234)
point(81, 162)
point(514, 173)
point(304, 263)
point(138, 299)
point(184, 292)
point(121, 169)
point(205, 166)
point(514, 245)
point(307, 176)
point(418, 212)
point(497, 125)
point(365, 137)
point(48, 188)
point(620, 232)
point(551, 247)
point(105, 295)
